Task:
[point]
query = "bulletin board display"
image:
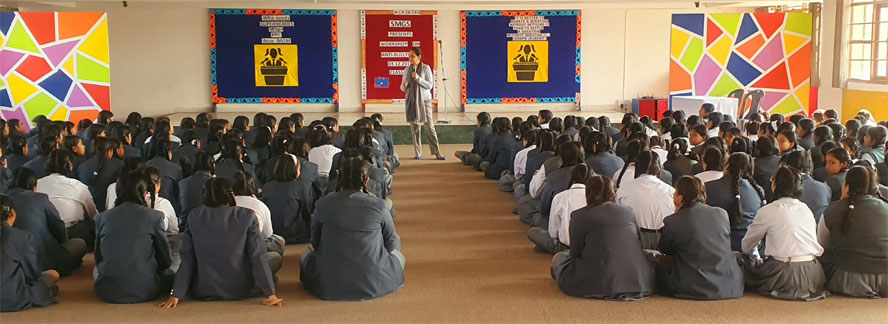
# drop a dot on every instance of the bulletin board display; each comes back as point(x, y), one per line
point(274, 56)
point(520, 56)
point(386, 38)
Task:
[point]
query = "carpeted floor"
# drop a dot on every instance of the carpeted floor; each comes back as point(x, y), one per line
point(468, 260)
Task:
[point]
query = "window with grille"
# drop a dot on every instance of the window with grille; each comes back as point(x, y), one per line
point(868, 56)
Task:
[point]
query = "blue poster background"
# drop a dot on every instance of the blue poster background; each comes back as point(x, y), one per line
point(485, 60)
point(234, 63)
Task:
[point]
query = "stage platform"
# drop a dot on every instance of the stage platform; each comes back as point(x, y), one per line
point(458, 131)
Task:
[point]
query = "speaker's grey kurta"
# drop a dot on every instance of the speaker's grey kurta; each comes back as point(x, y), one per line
point(353, 236)
point(698, 238)
point(606, 260)
point(132, 255)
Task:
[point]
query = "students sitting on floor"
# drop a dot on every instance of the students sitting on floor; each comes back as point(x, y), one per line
point(874, 142)
point(529, 204)
point(697, 261)
point(648, 196)
point(738, 194)
point(191, 188)
point(484, 129)
point(24, 284)
point(231, 161)
point(41, 219)
point(355, 251)
point(290, 200)
point(500, 156)
point(171, 172)
point(245, 192)
point(529, 140)
point(767, 160)
point(556, 237)
point(132, 252)
point(601, 157)
point(224, 255)
point(322, 152)
point(70, 197)
point(815, 194)
point(790, 270)
point(605, 259)
point(854, 232)
point(100, 171)
point(17, 154)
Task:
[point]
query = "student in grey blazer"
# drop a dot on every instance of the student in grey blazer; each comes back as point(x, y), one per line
point(223, 253)
point(738, 194)
point(24, 285)
point(601, 157)
point(41, 219)
point(355, 251)
point(133, 255)
point(290, 200)
point(815, 194)
point(697, 261)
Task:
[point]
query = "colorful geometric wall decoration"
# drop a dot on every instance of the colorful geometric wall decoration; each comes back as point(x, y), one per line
point(715, 54)
point(54, 64)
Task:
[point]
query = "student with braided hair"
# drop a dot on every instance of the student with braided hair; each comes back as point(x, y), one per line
point(25, 285)
point(232, 160)
point(221, 228)
point(557, 237)
point(355, 251)
point(767, 160)
point(790, 269)
point(837, 163)
point(627, 173)
point(100, 171)
point(605, 260)
point(815, 194)
point(649, 196)
point(601, 158)
point(854, 232)
point(171, 172)
point(697, 262)
point(290, 198)
point(133, 255)
point(738, 194)
point(678, 160)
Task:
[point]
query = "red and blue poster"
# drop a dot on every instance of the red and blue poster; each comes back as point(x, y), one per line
point(386, 38)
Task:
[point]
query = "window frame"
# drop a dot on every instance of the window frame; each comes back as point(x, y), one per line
point(874, 42)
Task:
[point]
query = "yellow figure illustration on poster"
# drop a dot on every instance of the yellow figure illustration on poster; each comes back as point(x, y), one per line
point(276, 65)
point(528, 61)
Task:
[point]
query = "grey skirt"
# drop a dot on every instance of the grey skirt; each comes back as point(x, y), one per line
point(863, 285)
point(527, 206)
point(650, 240)
point(802, 281)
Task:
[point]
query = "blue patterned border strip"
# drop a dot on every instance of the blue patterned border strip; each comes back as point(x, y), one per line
point(556, 99)
point(578, 61)
point(335, 65)
point(462, 58)
point(213, 63)
point(230, 11)
point(309, 12)
point(483, 100)
point(244, 100)
point(484, 13)
point(316, 100)
point(553, 13)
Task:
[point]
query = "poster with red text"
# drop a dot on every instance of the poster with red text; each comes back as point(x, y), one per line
point(386, 38)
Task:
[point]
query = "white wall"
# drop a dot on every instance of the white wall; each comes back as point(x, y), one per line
point(161, 65)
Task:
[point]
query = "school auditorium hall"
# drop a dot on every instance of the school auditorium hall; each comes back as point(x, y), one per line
point(470, 161)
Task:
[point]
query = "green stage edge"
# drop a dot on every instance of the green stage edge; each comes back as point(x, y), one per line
point(447, 134)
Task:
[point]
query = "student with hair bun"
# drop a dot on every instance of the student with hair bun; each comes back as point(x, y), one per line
point(133, 256)
point(224, 256)
point(854, 232)
point(25, 285)
point(649, 196)
point(605, 260)
point(738, 194)
point(697, 262)
point(355, 251)
point(790, 269)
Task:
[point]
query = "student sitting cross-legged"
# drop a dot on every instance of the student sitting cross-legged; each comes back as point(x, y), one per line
point(24, 284)
point(695, 240)
point(854, 232)
point(605, 259)
point(791, 269)
point(223, 253)
point(132, 252)
point(354, 252)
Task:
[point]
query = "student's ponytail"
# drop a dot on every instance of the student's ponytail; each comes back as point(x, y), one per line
point(580, 173)
point(231, 150)
point(739, 168)
point(677, 149)
point(152, 177)
point(634, 148)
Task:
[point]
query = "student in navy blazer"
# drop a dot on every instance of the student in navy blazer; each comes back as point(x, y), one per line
point(100, 171)
point(170, 172)
point(38, 163)
point(738, 194)
point(24, 285)
point(191, 188)
point(223, 253)
point(41, 219)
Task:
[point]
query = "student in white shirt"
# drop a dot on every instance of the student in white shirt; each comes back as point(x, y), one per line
point(557, 237)
point(713, 164)
point(322, 153)
point(170, 221)
point(518, 187)
point(715, 118)
point(791, 269)
point(545, 117)
point(70, 197)
point(245, 192)
point(657, 147)
point(650, 197)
